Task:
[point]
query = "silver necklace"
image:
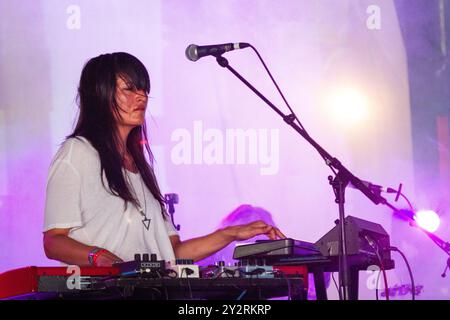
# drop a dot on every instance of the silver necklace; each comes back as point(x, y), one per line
point(142, 211)
point(145, 221)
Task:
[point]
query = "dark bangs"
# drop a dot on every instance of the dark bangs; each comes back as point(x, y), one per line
point(132, 71)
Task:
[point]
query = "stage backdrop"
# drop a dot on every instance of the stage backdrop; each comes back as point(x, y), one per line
point(342, 67)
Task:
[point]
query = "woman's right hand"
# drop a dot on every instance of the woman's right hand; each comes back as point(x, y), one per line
point(59, 246)
point(107, 259)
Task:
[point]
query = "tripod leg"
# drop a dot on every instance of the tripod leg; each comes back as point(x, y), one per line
point(319, 283)
point(354, 284)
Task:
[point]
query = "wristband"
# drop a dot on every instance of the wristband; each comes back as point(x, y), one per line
point(94, 254)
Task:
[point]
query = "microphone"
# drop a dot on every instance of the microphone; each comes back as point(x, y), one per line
point(375, 187)
point(194, 52)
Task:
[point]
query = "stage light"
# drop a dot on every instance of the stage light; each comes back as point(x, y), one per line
point(349, 106)
point(428, 220)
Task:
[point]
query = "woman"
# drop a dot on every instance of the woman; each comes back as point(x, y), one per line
point(103, 202)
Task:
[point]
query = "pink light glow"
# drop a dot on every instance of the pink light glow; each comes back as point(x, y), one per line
point(428, 220)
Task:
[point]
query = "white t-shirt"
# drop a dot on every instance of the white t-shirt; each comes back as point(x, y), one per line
point(77, 199)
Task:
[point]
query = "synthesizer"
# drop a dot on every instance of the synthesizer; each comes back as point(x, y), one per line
point(50, 283)
point(275, 249)
point(42, 281)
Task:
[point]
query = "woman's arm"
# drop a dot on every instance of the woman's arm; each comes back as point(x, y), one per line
point(59, 246)
point(202, 247)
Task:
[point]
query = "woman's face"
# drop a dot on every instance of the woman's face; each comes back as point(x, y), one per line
point(132, 104)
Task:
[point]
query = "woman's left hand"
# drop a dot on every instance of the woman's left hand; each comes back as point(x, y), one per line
point(250, 230)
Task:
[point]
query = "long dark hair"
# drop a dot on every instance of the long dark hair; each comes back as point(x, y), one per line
point(96, 121)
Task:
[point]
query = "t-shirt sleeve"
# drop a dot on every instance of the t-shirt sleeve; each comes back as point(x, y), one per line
point(63, 203)
point(171, 231)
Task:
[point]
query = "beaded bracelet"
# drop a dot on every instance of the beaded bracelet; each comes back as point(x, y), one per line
point(94, 254)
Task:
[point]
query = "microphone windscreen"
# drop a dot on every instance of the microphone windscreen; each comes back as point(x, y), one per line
point(191, 52)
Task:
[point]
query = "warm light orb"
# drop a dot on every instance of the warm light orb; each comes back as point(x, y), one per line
point(348, 106)
point(428, 220)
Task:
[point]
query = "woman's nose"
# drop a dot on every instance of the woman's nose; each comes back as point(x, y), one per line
point(141, 95)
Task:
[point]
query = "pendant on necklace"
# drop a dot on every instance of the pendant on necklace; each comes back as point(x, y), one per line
point(146, 222)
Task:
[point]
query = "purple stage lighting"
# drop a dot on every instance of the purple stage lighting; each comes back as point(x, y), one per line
point(428, 220)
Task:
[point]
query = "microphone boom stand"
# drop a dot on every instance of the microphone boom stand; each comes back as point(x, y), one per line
point(339, 183)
